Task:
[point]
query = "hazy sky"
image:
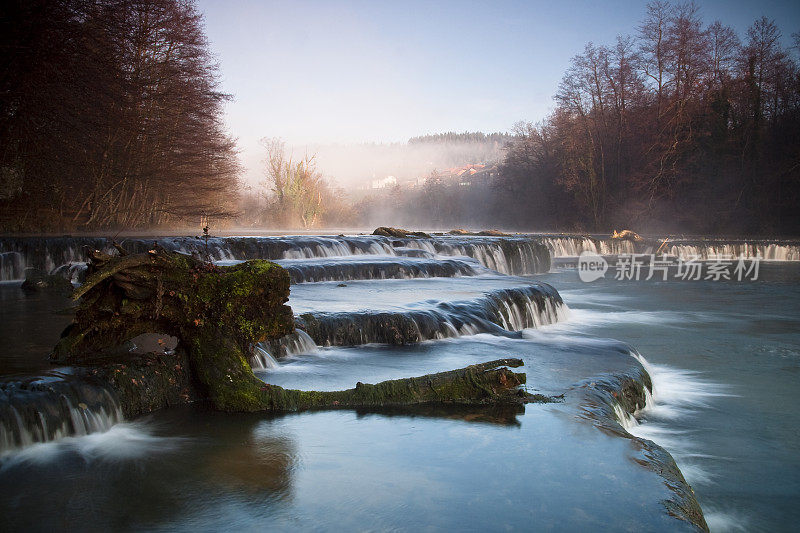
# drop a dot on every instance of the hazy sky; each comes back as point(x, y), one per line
point(384, 71)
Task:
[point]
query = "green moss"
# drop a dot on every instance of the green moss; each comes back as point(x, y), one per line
point(149, 382)
point(218, 313)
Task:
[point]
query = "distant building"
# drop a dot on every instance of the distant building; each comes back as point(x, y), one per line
point(464, 176)
point(385, 183)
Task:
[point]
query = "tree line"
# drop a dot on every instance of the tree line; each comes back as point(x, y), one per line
point(452, 137)
point(684, 126)
point(110, 116)
point(437, 203)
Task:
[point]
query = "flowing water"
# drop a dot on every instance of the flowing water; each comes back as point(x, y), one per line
point(723, 357)
point(725, 361)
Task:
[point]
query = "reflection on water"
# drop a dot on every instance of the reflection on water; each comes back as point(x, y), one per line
point(349, 470)
point(502, 415)
point(30, 325)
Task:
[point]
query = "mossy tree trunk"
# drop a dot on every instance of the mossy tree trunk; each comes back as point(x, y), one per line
point(218, 313)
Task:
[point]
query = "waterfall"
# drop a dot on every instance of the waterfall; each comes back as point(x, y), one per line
point(500, 312)
point(75, 272)
point(12, 266)
point(571, 246)
point(261, 359)
point(65, 255)
point(47, 409)
point(516, 255)
point(506, 255)
point(266, 354)
point(311, 270)
point(747, 250)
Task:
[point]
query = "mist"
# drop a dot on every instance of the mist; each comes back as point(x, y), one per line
point(360, 168)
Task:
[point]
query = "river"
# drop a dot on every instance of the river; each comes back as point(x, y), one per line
point(723, 357)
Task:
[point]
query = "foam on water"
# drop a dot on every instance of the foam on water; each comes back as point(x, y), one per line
point(581, 318)
point(123, 441)
point(676, 394)
point(721, 521)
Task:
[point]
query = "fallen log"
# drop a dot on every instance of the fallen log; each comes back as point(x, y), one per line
point(484, 383)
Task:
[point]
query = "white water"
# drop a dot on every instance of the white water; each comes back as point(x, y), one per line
point(262, 360)
point(677, 394)
point(490, 254)
point(515, 317)
point(518, 318)
point(574, 246)
point(12, 266)
point(124, 440)
point(579, 319)
point(331, 247)
point(71, 271)
point(82, 421)
point(297, 343)
point(769, 252)
point(434, 318)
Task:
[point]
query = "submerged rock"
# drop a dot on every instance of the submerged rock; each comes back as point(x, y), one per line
point(399, 233)
point(37, 280)
point(483, 233)
point(617, 397)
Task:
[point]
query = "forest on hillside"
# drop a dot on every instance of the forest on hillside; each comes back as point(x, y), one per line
point(682, 126)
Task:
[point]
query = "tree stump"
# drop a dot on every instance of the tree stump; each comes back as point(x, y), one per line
point(218, 313)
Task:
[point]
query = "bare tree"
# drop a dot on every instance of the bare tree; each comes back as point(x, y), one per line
point(723, 49)
point(652, 35)
point(683, 124)
point(295, 185)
